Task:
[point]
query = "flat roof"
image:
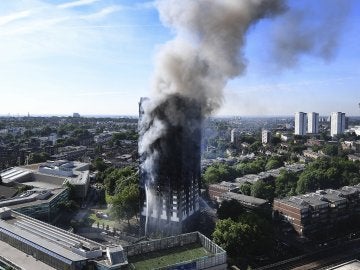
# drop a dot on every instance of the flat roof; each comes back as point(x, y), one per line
point(244, 198)
point(13, 174)
point(54, 193)
point(22, 259)
point(48, 237)
point(36, 239)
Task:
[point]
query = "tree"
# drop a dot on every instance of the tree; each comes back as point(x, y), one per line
point(310, 181)
point(45, 131)
point(100, 164)
point(231, 236)
point(255, 146)
point(246, 189)
point(260, 189)
point(218, 173)
point(273, 163)
point(230, 209)
point(249, 236)
point(328, 173)
point(38, 157)
point(255, 166)
point(331, 150)
point(285, 184)
point(126, 203)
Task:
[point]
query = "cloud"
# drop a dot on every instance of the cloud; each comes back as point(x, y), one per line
point(77, 3)
point(14, 16)
point(102, 13)
point(145, 5)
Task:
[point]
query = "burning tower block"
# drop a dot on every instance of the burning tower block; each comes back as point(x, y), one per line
point(170, 144)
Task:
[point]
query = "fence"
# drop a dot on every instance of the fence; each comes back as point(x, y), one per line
point(217, 256)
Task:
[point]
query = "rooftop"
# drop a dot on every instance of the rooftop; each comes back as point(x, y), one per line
point(21, 259)
point(321, 198)
point(248, 200)
point(163, 258)
point(37, 233)
point(77, 173)
point(35, 201)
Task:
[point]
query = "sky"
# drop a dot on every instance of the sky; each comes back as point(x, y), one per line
point(97, 57)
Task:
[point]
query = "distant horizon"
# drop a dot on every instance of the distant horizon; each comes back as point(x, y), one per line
point(136, 116)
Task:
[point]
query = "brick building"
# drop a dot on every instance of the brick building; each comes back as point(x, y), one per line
point(321, 210)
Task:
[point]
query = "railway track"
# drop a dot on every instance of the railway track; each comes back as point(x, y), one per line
point(319, 260)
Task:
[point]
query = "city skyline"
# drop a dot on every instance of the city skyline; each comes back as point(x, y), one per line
point(97, 58)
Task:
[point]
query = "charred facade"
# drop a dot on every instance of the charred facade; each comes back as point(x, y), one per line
point(170, 184)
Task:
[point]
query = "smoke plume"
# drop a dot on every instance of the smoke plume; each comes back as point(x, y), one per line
point(191, 72)
point(203, 56)
point(308, 31)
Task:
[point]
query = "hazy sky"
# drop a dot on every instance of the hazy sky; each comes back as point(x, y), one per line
point(97, 57)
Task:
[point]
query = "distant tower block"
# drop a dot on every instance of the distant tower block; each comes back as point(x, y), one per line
point(265, 136)
point(337, 123)
point(234, 136)
point(300, 123)
point(313, 122)
point(76, 115)
point(169, 189)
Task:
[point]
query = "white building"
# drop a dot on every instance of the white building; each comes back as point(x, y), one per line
point(313, 122)
point(337, 123)
point(300, 123)
point(234, 136)
point(265, 136)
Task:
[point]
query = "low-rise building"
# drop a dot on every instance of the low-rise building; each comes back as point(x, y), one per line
point(313, 155)
point(58, 248)
point(321, 210)
point(51, 175)
point(70, 153)
point(216, 190)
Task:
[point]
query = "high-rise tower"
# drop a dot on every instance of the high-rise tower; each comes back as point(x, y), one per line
point(313, 122)
point(170, 167)
point(265, 136)
point(337, 123)
point(300, 123)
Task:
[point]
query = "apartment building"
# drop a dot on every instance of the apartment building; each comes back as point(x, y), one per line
point(321, 210)
point(337, 123)
point(313, 122)
point(300, 123)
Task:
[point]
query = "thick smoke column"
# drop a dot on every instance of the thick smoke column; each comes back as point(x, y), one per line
point(206, 51)
point(191, 72)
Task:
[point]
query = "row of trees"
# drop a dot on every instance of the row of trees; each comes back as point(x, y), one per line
point(222, 172)
point(323, 173)
point(320, 174)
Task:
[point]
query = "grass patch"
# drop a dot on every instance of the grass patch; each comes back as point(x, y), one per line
point(167, 257)
point(94, 219)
